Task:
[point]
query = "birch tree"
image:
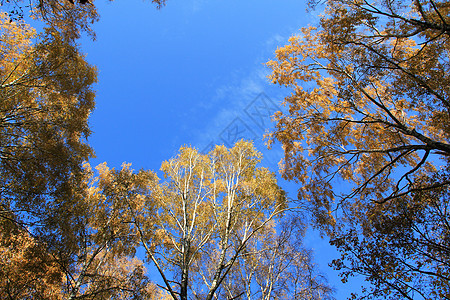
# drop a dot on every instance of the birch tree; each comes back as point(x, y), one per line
point(197, 223)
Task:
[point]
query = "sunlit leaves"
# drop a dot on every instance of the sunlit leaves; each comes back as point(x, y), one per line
point(27, 270)
point(46, 98)
point(210, 207)
point(198, 220)
point(369, 107)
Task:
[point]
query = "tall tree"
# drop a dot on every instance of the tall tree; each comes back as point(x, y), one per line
point(199, 225)
point(49, 239)
point(54, 243)
point(46, 98)
point(367, 137)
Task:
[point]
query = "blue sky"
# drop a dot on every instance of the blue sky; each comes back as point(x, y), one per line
point(179, 75)
point(191, 73)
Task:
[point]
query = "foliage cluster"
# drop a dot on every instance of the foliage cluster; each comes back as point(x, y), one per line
point(370, 108)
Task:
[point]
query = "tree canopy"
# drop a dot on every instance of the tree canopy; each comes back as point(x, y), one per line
point(210, 227)
point(366, 135)
point(46, 99)
point(54, 244)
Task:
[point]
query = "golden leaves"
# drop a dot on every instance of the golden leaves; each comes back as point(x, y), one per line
point(27, 270)
point(367, 89)
point(15, 47)
point(207, 207)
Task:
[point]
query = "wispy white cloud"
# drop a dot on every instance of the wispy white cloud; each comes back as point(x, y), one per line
point(244, 111)
point(197, 5)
